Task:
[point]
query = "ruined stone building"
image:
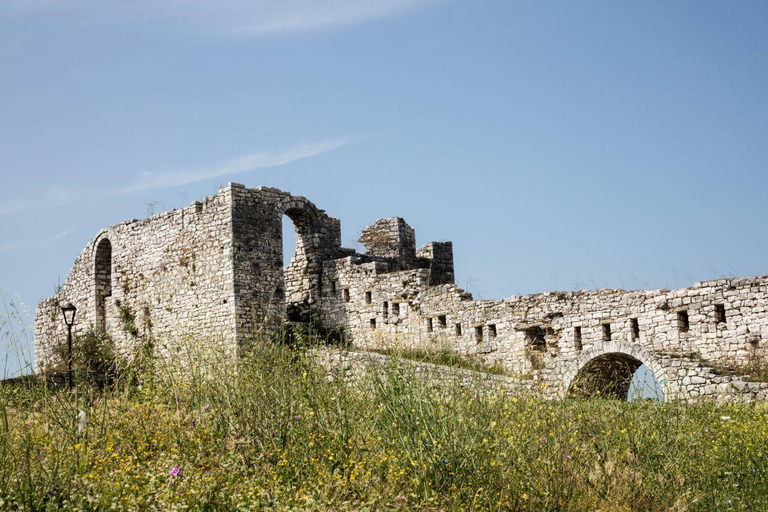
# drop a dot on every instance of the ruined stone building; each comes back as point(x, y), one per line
point(214, 272)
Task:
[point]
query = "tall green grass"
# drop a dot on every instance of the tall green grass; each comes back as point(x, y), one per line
point(274, 430)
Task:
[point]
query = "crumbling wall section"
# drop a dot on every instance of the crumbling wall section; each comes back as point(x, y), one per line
point(265, 293)
point(166, 280)
point(712, 329)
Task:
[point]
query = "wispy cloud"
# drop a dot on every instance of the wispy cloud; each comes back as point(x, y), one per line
point(9, 247)
point(44, 200)
point(14, 246)
point(262, 160)
point(231, 17)
point(58, 236)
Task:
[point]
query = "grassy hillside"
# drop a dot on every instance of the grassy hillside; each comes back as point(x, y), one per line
point(275, 431)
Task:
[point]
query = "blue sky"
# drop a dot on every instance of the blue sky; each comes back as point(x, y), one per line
point(559, 145)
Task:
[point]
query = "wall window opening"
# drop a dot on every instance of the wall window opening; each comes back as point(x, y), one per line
point(683, 324)
point(720, 313)
point(606, 332)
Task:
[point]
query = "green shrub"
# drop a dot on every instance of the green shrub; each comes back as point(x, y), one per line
point(94, 358)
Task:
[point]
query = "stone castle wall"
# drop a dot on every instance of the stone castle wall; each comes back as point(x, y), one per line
point(168, 276)
point(215, 271)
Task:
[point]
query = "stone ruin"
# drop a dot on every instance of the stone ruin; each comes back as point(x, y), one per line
point(214, 272)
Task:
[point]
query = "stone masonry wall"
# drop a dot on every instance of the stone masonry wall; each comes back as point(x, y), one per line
point(215, 271)
point(170, 279)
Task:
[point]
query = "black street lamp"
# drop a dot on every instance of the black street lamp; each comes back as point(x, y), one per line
point(69, 310)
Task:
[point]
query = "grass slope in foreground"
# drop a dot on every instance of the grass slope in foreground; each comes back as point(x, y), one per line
point(276, 432)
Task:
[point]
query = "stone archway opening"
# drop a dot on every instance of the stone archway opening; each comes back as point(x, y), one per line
point(298, 276)
point(618, 376)
point(102, 281)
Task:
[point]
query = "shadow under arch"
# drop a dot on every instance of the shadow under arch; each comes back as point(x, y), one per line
point(607, 371)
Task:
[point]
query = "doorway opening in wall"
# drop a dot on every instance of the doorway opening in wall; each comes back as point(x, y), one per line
point(103, 281)
point(299, 282)
point(616, 376)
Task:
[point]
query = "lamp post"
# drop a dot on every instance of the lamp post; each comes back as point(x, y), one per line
point(69, 310)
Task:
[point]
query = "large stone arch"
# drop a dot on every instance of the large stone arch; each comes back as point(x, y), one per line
point(301, 278)
point(611, 366)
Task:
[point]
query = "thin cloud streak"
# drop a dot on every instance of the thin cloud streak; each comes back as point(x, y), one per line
point(9, 247)
point(46, 200)
point(14, 246)
point(262, 160)
point(53, 238)
point(228, 17)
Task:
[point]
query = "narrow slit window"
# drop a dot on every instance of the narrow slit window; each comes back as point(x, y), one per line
point(683, 324)
point(333, 288)
point(479, 333)
point(385, 310)
point(606, 332)
point(346, 294)
point(442, 321)
point(577, 338)
point(373, 323)
point(368, 297)
point(635, 329)
point(429, 325)
point(719, 313)
point(458, 329)
point(491, 331)
point(396, 309)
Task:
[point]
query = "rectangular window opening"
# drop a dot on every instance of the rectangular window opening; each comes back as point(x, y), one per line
point(606, 332)
point(492, 330)
point(333, 288)
point(368, 297)
point(635, 329)
point(479, 333)
point(385, 310)
point(720, 313)
point(683, 324)
point(458, 329)
point(442, 321)
point(373, 323)
point(577, 338)
point(396, 309)
point(346, 294)
point(429, 325)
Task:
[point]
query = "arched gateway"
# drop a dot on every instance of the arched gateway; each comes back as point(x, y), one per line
point(607, 370)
